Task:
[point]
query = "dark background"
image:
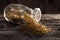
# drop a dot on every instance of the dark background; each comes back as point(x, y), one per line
point(46, 6)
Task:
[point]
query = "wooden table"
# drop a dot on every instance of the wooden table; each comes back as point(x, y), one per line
point(50, 20)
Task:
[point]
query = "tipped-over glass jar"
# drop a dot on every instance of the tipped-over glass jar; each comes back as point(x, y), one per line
point(15, 11)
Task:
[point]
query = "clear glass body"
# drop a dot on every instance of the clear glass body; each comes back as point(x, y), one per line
point(12, 12)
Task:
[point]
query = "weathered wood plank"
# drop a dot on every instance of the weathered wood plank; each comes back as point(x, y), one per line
point(50, 16)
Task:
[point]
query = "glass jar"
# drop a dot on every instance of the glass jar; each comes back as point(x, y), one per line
point(19, 9)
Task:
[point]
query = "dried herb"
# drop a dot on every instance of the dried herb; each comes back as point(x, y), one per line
point(31, 26)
